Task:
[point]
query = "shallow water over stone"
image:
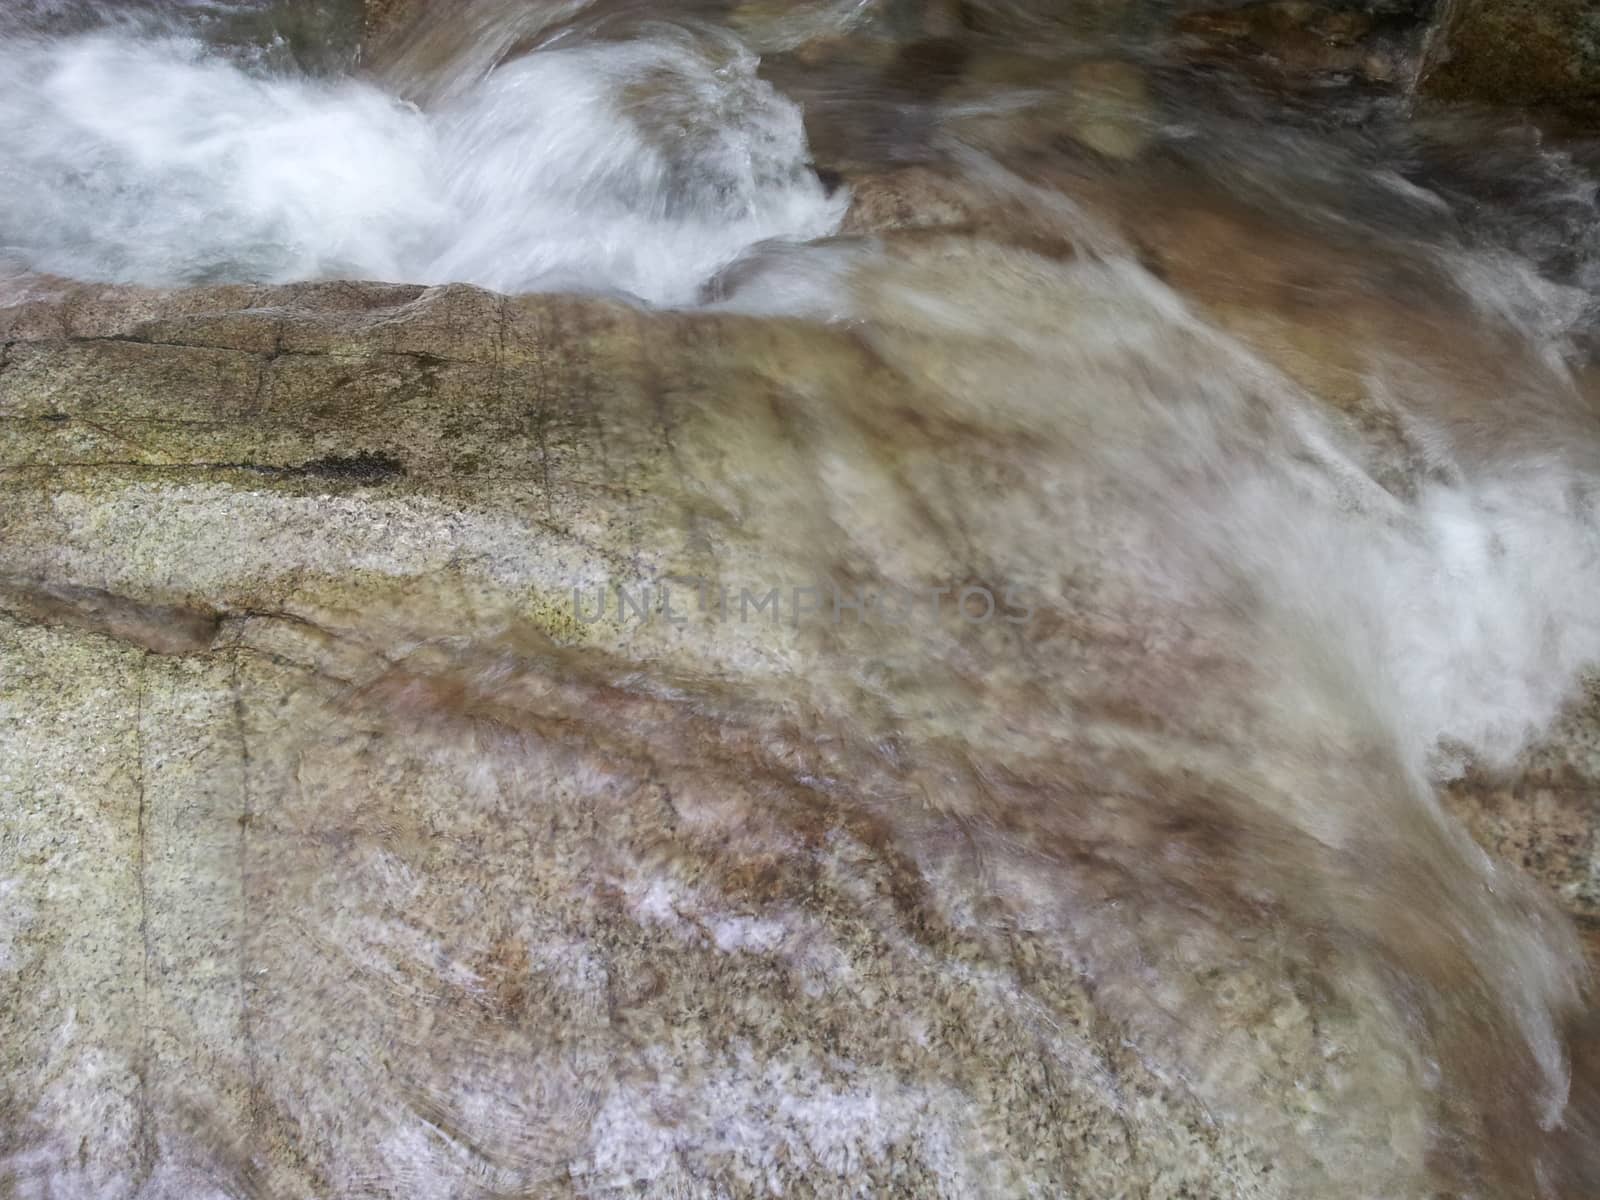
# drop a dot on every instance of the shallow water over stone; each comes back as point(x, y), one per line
point(942, 619)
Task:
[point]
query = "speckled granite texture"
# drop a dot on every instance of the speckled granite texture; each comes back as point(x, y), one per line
point(340, 858)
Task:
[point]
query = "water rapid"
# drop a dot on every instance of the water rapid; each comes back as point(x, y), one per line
point(638, 168)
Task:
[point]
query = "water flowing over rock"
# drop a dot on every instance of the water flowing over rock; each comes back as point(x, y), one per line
point(1001, 603)
point(402, 865)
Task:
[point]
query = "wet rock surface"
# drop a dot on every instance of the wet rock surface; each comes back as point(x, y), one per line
point(341, 858)
point(1520, 52)
point(1544, 815)
point(1290, 40)
point(349, 853)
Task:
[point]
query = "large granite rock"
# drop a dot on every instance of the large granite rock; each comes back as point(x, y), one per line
point(344, 854)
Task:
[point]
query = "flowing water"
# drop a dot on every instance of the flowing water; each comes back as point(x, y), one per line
point(1289, 399)
point(639, 167)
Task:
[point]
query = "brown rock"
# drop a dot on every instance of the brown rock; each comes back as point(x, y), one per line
point(1112, 113)
point(914, 198)
point(1297, 41)
point(1530, 52)
point(1014, 104)
point(1543, 813)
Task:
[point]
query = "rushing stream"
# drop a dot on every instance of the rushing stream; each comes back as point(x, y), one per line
point(639, 167)
point(1289, 409)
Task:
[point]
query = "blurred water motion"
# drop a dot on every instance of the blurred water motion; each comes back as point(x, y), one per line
point(1278, 395)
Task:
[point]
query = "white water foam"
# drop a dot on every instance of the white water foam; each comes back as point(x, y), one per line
point(638, 167)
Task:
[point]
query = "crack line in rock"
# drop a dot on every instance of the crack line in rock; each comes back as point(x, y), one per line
point(145, 1136)
point(246, 1025)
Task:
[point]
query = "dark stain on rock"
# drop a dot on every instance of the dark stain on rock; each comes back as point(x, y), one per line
point(365, 467)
